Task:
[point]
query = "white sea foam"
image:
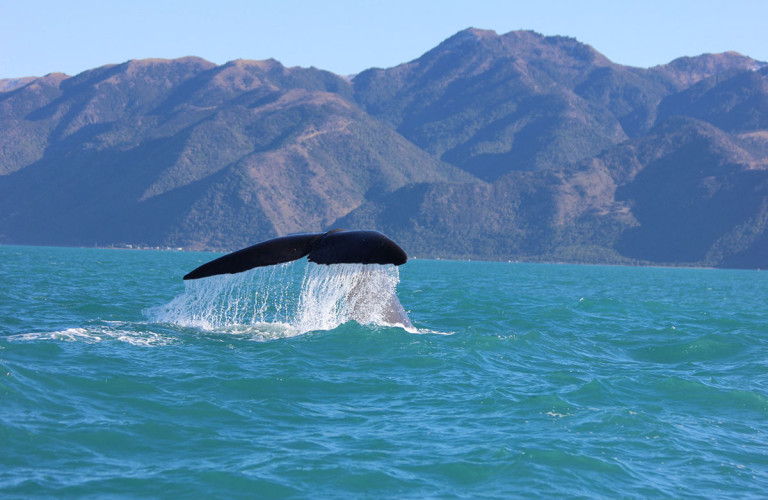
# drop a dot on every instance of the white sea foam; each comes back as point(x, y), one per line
point(69, 334)
point(283, 297)
point(99, 334)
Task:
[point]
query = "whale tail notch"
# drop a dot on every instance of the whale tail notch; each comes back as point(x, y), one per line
point(334, 247)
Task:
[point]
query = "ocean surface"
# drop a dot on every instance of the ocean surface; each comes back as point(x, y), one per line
point(119, 380)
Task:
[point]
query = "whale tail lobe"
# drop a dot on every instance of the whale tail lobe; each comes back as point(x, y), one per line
point(334, 247)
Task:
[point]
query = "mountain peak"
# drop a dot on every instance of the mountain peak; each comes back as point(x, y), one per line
point(154, 67)
point(463, 37)
point(525, 44)
point(686, 71)
point(263, 64)
point(157, 61)
point(477, 33)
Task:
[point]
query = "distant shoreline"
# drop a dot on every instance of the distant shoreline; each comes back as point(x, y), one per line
point(410, 258)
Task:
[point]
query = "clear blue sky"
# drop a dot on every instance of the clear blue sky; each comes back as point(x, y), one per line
point(43, 36)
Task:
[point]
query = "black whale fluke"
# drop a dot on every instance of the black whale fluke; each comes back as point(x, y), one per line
point(334, 247)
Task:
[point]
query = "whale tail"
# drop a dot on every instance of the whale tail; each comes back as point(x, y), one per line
point(334, 247)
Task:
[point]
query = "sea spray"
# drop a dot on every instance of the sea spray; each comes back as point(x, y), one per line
point(332, 295)
point(261, 295)
point(297, 297)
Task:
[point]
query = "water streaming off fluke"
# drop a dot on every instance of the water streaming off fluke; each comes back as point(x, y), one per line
point(295, 297)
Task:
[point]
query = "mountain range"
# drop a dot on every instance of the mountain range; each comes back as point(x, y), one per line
point(499, 147)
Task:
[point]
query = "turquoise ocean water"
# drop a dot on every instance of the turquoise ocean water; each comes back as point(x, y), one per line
point(118, 380)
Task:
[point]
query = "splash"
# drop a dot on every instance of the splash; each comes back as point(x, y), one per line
point(289, 299)
point(262, 295)
point(332, 295)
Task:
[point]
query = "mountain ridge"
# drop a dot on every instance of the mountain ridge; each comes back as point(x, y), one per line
point(517, 146)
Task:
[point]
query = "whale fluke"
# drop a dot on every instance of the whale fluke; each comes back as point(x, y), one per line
point(334, 247)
